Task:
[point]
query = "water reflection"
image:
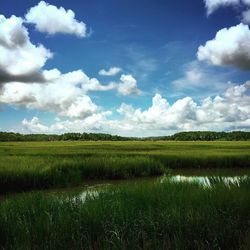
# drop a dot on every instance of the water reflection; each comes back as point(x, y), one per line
point(90, 193)
point(207, 181)
point(205, 177)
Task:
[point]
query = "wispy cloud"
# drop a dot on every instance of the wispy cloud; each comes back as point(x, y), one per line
point(112, 71)
point(141, 63)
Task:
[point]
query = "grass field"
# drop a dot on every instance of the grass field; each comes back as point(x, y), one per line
point(37, 165)
point(141, 216)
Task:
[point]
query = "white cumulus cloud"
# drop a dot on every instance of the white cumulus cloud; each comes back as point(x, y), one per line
point(229, 47)
point(34, 126)
point(94, 123)
point(212, 5)
point(20, 60)
point(51, 19)
point(63, 94)
point(228, 111)
point(127, 85)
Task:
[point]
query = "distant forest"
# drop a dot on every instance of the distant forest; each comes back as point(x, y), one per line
point(182, 136)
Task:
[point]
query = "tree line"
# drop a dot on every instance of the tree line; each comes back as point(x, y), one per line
point(10, 136)
point(181, 136)
point(210, 136)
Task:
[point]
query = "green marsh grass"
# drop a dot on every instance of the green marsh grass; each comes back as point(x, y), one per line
point(37, 165)
point(21, 173)
point(141, 216)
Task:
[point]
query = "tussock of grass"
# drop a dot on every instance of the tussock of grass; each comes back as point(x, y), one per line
point(142, 216)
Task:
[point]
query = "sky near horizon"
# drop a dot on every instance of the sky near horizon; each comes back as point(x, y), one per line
point(132, 68)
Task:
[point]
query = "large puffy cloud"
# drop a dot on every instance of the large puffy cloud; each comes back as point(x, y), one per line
point(162, 115)
point(228, 111)
point(212, 5)
point(231, 109)
point(20, 60)
point(66, 100)
point(110, 72)
point(64, 94)
point(229, 47)
point(50, 19)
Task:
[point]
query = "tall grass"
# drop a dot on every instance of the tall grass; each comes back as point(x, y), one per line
point(53, 172)
point(29, 165)
point(143, 216)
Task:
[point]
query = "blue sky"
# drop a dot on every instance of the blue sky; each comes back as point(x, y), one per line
point(163, 83)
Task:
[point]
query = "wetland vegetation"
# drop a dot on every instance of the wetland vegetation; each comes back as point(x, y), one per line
point(145, 215)
point(38, 165)
point(193, 207)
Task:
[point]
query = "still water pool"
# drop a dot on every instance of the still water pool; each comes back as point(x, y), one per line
point(205, 177)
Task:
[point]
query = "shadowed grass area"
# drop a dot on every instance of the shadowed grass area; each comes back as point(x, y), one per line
point(141, 216)
point(30, 165)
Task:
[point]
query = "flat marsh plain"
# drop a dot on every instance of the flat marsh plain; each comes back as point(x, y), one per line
point(141, 215)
